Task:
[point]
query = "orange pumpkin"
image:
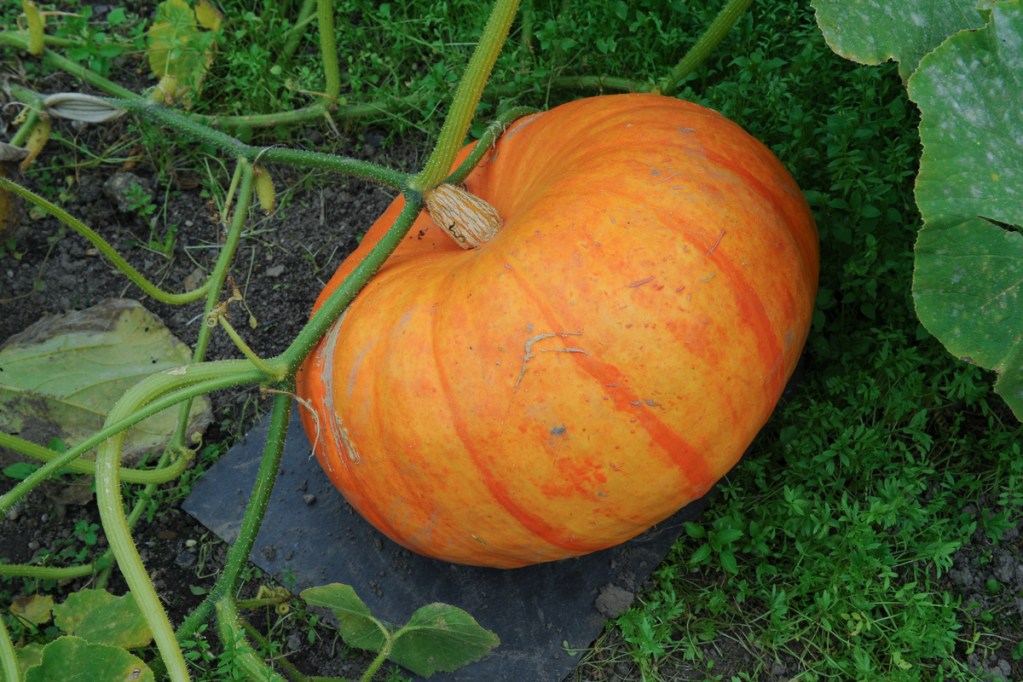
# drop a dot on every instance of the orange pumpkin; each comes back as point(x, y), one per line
point(598, 364)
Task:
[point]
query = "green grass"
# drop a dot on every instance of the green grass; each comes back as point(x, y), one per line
point(828, 547)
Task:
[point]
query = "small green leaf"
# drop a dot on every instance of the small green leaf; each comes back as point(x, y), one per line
point(101, 618)
point(20, 470)
point(358, 626)
point(695, 530)
point(968, 281)
point(73, 658)
point(117, 16)
point(727, 536)
point(729, 563)
point(440, 638)
point(874, 31)
point(701, 554)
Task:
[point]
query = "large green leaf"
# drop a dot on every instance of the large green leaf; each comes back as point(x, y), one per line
point(440, 638)
point(874, 31)
point(178, 47)
point(970, 94)
point(101, 618)
point(60, 377)
point(969, 256)
point(72, 659)
point(358, 626)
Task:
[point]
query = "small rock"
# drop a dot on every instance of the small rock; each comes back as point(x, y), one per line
point(1002, 667)
point(275, 271)
point(962, 577)
point(185, 559)
point(127, 191)
point(613, 601)
point(294, 642)
point(309, 499)
point(1004, 566)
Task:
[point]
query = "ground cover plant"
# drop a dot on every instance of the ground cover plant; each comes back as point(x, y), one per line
point(873, 530)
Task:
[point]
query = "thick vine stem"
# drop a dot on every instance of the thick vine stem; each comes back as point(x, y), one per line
point(706, 43)
point(289, 157)
point(238, 554)
point(197, 128)
point(328, 50)
point(232, 636)
point(486, 142)
point(8, 659)
point(111, 508)
point(208, 377)
point(335, 304)
point(467, 96)
point(46, 572)
point(85, 466)
point(104, 247)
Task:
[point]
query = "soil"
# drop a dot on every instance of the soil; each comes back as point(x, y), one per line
point(281, 266)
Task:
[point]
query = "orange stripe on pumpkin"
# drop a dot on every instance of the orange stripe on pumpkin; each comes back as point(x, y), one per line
point(687, 458)
point(804, 239)
point(534, 523)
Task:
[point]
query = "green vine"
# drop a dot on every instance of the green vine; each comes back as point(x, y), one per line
point(470, 89)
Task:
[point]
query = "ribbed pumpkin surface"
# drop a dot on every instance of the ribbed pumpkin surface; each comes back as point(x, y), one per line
point(597, 365)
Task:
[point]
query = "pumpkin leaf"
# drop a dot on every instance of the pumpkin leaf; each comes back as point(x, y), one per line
point(969, 93)
point(61, 376)
point(28, 656)
point(357, 624)
point(208, 16)
point(180, 51)
point(101, 618)
point(875, 31)
point(440, 638)
point(968, 281)
point(35, 608)
point(73, 658)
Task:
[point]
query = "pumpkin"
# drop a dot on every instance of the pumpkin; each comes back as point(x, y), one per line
point(595, 366)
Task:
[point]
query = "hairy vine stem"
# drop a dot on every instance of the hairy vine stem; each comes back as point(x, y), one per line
point(467, 96)
point(259, 498)
point(174, 387)
point(111, 507)
point(8, 658)
point(704, 45)
point(104, 247)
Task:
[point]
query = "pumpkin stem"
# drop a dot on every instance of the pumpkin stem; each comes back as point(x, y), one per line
point(469, 220)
